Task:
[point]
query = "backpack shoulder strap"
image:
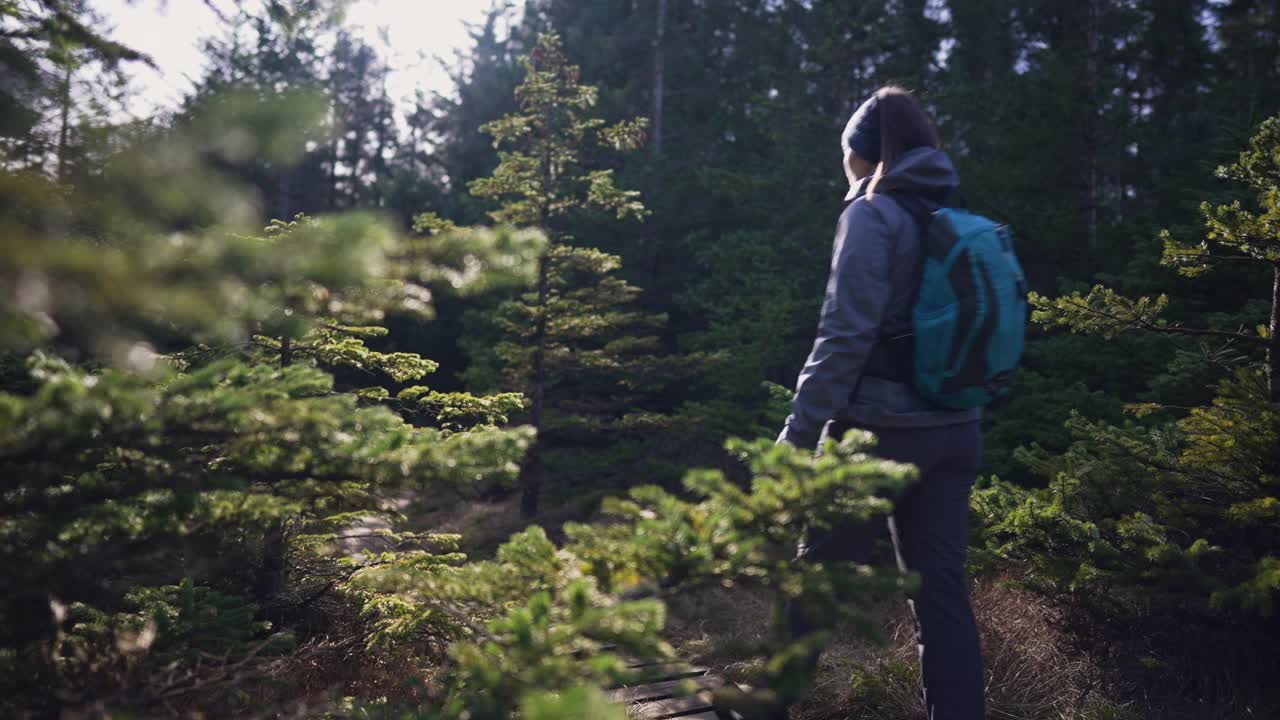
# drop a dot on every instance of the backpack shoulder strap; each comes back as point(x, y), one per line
point(893, 356)
point(920, 209)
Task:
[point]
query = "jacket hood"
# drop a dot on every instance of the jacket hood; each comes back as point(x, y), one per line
point(927, 171)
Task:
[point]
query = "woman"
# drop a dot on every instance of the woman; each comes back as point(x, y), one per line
point(856, 376)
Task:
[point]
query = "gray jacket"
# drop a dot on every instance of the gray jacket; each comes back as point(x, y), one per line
point(872, 285)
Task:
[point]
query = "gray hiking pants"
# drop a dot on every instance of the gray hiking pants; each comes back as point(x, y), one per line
point(930, 531)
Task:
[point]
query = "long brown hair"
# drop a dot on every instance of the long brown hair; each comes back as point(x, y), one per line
point(904, 126)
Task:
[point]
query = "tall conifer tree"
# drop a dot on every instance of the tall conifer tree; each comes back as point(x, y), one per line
point(578, 331)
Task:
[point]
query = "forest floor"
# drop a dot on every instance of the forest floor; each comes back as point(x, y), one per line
point(1030, 671)
point(1035, 667)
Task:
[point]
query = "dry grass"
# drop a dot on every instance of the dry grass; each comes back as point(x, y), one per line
point(1031, 672)
point(1031, 669)
point(336, 663)
point(482, 524)
point(1180, 665)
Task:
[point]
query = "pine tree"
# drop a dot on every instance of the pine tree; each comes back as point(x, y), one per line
point(295, 47)
point(364, 127)
point(194, 481)
point(1180, 509)
point(1250, 63)
point(62, 82)
point(269, 51)
point(578, 327)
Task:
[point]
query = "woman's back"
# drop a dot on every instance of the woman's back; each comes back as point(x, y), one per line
point(859, 375)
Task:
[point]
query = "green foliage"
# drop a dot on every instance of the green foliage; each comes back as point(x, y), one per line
point(537, 617)
point(755, 299)
point(542, 178)
point(581, 703)
point(600, 354)
point(1169, 515)
point(173, 475)
point(1101, 312)
point(223, 451)
point(63, 78)
point(122, 244)
point(1033, 415)
point(160, 645)
point(1234, 233)
point(876, 686)
point(344, 346)
point(267, 49)
point(732, 534)
point(459, 411)
point(1177, 510)
point(173, 623)
point(328, 325)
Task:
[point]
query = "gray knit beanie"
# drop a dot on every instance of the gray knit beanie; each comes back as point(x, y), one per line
point(862, 134)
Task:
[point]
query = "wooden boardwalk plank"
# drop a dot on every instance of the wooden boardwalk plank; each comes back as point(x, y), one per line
point(671, 707)
point(656, 684)
point(632, 662)
point(635, 662)
point(665, 671)
point(665, 689)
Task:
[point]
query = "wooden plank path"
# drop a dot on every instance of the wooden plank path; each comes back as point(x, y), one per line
point(660, 691)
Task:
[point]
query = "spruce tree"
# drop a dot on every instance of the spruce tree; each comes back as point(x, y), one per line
point(210, 489)
point(293, 47)
point(577, 338)
point(1177, 510)
point(364, 130)
point(62, 81)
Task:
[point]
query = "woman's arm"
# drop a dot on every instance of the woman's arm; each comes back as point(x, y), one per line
point(858, 294)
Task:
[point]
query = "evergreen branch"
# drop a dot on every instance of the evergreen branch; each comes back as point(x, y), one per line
point(463, 619)
point(1140, 323)
point(1200, 332)
point(1150, 462)
point(1205, 257)
point(62, 23)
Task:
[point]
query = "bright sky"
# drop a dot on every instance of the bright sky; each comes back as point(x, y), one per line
point(419, 31)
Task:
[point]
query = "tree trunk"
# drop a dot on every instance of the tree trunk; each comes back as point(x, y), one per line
point(333, 174)
point(336, 115)
point(377, 164)
point(274, 571)
point(659, 75)
point(1273, 345)
point(531, 476)
point(275, 543)
point(65, 127)
point(1092, 131)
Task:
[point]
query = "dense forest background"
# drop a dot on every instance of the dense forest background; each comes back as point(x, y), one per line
point(611, 240)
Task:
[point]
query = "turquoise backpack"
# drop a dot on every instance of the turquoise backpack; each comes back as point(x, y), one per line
point(970, 315)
